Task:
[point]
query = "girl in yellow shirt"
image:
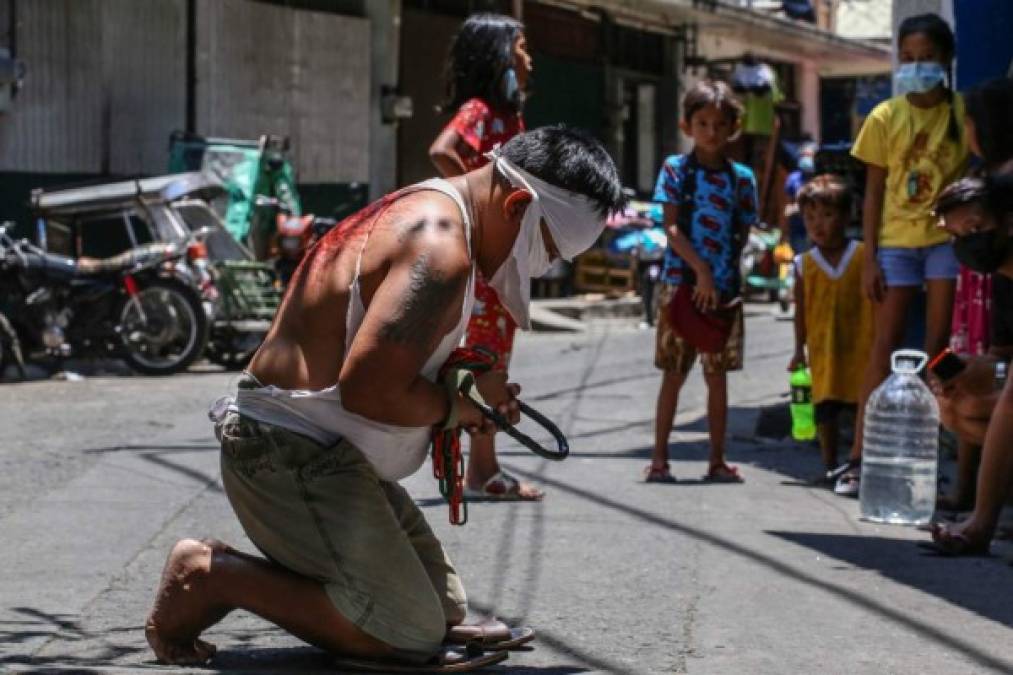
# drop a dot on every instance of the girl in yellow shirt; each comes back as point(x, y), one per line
point(913, 145)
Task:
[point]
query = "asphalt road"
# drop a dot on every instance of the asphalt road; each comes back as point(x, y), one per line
point(98, 478)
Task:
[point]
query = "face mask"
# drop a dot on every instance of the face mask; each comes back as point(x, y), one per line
point(571, 219)
point(806, 164)
point(918, 77)
point(983, 252)
point(510, 86)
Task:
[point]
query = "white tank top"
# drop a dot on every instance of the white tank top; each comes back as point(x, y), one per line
point(394, 451)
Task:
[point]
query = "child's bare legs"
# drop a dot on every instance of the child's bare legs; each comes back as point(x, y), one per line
point(717, 415)
point(664, 418)
point(829, 433)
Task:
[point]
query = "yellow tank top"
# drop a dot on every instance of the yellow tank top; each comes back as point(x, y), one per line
point(838, 323)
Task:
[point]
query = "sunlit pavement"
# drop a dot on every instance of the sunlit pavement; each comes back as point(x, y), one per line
point(99, 477)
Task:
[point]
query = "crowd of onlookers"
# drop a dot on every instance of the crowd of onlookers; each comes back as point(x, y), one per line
point(936, 216)
point(934, 224)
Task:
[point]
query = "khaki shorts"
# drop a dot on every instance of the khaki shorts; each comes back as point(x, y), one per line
point(324, 514)
point(672, 353)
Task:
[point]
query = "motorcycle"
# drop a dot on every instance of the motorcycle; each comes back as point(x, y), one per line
point(638, 232)
point(294, 235)
point(138, 305)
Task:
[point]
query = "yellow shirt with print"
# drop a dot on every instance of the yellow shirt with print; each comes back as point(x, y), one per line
point(920, 159)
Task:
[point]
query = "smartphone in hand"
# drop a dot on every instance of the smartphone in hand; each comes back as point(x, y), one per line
point(946, 365)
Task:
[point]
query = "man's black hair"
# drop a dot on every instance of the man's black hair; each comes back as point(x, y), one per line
point(570, 159)
point(480, 55)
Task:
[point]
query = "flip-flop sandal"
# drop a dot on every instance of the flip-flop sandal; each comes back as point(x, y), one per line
point(849, 484)
point(653, 474)
point(451, 660)
point(722, 473)
point(843, 469)
point(494, 635)
point(946, 544)
point(501, 487)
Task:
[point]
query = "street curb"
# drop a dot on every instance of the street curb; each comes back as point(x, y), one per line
point(572, 314)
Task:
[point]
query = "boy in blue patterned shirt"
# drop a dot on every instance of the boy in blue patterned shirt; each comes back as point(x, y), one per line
point(710, 204)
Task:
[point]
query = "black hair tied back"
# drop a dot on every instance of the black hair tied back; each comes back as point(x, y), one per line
point(939, 32)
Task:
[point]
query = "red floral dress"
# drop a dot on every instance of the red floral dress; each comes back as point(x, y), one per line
point(483, 128)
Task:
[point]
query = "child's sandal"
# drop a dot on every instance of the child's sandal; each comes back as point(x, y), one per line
point(723, 473)
point(662, 474)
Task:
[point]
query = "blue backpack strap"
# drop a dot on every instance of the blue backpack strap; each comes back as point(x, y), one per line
point(688, 181)
point(687, 203)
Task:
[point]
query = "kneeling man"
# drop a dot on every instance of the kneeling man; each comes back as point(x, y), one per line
point(339, 403)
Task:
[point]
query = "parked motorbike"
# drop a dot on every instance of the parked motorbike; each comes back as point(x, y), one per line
point(638, 232)
point(294, 235)
point(137, 305)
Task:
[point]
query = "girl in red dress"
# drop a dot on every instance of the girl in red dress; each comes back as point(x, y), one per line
point(487, 72)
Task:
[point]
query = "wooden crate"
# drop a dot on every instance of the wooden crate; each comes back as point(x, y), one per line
point(596, 272)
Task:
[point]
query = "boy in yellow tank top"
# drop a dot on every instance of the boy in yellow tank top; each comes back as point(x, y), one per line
point(833, 317)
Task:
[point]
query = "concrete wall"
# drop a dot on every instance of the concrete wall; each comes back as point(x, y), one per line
point(104, 89)
point(267, 69)
point(106, 84)
point(385, 39)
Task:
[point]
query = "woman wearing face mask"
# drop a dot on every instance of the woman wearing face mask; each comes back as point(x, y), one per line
point(980, 324)
point(912, 146)
point(487, 74)
point(979, 215)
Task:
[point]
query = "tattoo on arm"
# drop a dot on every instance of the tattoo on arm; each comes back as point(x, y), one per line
point(409, 230)
point(419, 317)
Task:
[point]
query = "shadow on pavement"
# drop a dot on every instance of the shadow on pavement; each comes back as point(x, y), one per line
point(854, 596)
point(957, 580)
point(87, 368)
point(191, 447)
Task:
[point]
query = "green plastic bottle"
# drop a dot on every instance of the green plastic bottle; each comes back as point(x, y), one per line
point(803, 414)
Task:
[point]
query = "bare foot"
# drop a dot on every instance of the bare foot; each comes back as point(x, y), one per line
point(182, 606)
point(502, 486)
point(966, 538)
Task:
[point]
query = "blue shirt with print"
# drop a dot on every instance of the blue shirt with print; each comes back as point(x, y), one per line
point(715, 206)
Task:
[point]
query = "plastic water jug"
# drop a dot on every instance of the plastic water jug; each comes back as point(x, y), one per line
point(803, 415)
point(900, 446)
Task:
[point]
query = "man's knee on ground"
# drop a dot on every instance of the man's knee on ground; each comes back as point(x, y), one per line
point(416, 633)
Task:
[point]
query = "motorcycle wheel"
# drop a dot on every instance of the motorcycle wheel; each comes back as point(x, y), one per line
point(10, 348)
point(163, 328)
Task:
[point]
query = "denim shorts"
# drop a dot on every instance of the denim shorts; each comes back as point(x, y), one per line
point(913, 266)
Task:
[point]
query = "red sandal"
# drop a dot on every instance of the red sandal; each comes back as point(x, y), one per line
point(658, 474)
point(723, 473)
